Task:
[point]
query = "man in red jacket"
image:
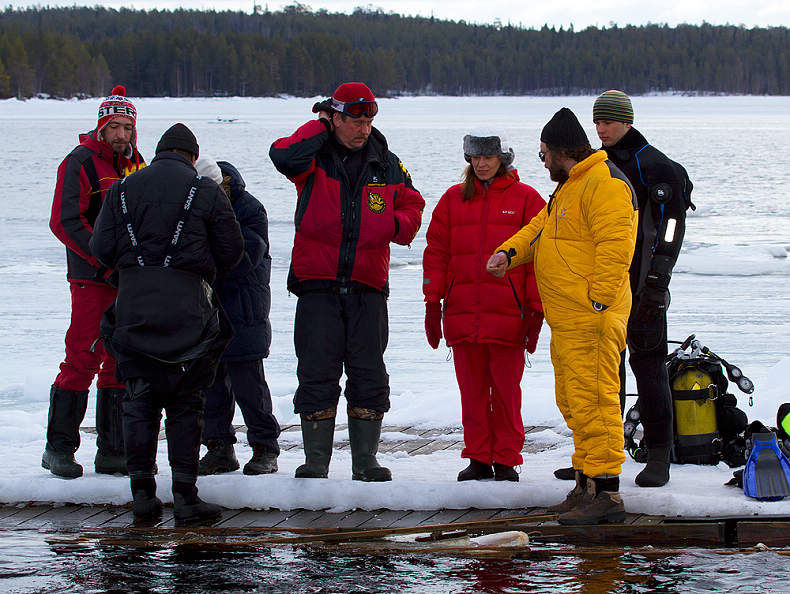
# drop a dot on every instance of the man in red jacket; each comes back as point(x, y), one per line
point(354, 198)
point(104, 155)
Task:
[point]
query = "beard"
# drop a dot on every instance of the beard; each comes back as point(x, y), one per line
point(558, 174)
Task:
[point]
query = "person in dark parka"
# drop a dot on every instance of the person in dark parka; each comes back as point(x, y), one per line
point(246, 297)
point(169, 233)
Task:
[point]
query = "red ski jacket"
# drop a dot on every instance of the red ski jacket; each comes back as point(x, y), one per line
point(343, 233)
point(461, 237)
point(84, 177)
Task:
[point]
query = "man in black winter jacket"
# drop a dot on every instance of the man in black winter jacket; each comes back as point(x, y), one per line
point(663, 190)
point(169, 233)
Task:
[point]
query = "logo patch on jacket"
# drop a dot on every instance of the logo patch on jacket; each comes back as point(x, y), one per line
point(376, 203)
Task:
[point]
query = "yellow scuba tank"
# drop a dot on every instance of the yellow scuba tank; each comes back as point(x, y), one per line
point(697, 439)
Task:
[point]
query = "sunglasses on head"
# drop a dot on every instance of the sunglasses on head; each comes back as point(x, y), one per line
point(356, 109)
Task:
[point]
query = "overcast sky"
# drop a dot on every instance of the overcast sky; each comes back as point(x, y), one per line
point(529, 13)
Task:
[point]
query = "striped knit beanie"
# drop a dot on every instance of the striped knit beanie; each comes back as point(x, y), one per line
point(614, 106)
point(117, 104)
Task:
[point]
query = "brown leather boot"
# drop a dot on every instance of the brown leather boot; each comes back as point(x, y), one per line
point(574, 497)
point(602, 504)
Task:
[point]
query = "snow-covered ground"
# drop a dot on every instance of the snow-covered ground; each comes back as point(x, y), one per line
point(730, 288)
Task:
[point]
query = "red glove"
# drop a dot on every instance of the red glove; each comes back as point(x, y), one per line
point(533, 322)
point(433, 323)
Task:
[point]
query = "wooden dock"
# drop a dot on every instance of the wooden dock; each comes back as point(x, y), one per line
point(260, 526)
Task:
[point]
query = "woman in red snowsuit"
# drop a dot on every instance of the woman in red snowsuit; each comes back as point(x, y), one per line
point(488, 322)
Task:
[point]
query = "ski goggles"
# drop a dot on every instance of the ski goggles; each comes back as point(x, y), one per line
point(356, 109)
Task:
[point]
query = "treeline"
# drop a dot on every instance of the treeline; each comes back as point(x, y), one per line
point(66, 52)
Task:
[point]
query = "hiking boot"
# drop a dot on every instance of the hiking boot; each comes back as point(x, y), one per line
point(597, 507)
point(262, 462)
point(317, 437)
point(110, 454)
point(565, 474)
point(188, 509)
point(476, 471)
point(505, 473)
point(656, 472)
point(574, 497)
point(364, 436)
point(220, 458)
point(61, 464)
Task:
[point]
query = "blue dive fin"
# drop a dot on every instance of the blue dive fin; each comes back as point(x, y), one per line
point(767, 472)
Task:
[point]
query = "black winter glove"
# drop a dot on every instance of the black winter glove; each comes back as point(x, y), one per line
point(325, 105)
point(652, 304)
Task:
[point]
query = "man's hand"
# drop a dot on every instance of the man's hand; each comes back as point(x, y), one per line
point(497, 265)
point(652, 304)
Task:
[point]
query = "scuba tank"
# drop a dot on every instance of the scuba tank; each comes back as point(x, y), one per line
point(708, 424)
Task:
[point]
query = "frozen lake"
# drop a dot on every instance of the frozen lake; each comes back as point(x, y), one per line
point(731, 286)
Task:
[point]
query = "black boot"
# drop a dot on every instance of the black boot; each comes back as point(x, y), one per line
point(220, 458)
point(263, 461)
point(656, 473)
point(476, 471)
point(503, 472)
point(145, 505)
point(364, 435)
point(317, 437)
point(565, 474)
point(66, 411)
point(188, 507)
point(110, 454)
point(601, 504)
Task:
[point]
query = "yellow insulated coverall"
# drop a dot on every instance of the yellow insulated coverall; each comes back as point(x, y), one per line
point(582, 243)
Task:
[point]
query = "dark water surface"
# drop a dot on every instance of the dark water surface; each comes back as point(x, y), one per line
point(34, 561)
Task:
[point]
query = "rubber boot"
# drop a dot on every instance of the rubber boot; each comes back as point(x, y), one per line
point(364, 435)
point(145, 504)
point(565, 474)
point(66, 411)
point(575, 497)
point(656, 472)
point(263, 461)
point(476, 471)
point(317, 437)
point(602, 504)
point(502, 472)
point(220, 458)
point(189, 508)
point(110, 453)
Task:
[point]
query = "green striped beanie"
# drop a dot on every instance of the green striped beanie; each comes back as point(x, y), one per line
point(614, 106)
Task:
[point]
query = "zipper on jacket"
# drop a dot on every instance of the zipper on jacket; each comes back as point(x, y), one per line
point(515, 295)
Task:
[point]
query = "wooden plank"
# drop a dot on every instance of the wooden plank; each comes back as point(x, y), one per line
point(327, 521)
point(54, 516)
point(444, 516)
point(413, 518)
point(477, 515)
point(457, 445)
point(772, 534)
point(124, 519)
point(105, 515)
point(512, 513)
point(390, 446)
point(239, 519)
point(383, 518)
point(299, 519)
point(710, 534)
point(535, 429)
point(436, 445)
point(9, 510)
point(26, 514)
point(166, 521)
point(355, 519)
point(268, 518)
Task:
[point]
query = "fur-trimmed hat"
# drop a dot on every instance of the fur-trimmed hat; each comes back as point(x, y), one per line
point(614, 106)
point(178, 136)
point(564, 131)
point(488, 142)
point(117, 105)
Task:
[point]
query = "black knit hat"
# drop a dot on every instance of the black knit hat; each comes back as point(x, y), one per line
point(614, 106)
point(564, 131)
point(178, 136)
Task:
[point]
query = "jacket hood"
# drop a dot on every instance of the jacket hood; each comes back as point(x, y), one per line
point(104, 151)
point(237, 185)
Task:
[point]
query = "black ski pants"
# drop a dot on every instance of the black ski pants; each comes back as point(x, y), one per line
point(337, 331)
point(647, 348)
point(242, 383)
point(142, 415)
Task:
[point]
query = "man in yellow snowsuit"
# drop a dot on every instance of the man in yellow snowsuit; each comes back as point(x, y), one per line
point(581, 244)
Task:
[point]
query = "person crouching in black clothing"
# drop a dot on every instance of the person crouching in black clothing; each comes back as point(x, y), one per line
point(169, 233)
